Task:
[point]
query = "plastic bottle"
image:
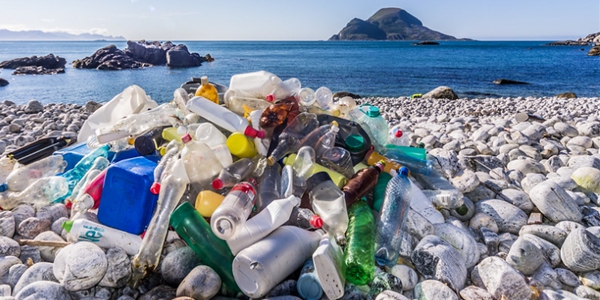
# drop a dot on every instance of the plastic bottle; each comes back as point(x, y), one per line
point(269, 188)
point(324, 98)
point(180, 98)
point(207, 202)
point(207, 90)
point(89, 196)
point(6, 167)
point(170, 134)
point(274, 115)
point(345, 105)
point(200, 162)
point(421, 166)
point(373, 157)
point(392, 218)
point(21, 177)
point(285, 89)
point(305, 219)
point(286, 188)
point(361, 183)
point(327, 141)
point(260, 267)
point(305, 167)
point(258, 84)
point(327, 200)
point(418, 153)
point(379, 190)
point(308, 284)
point(261, 225)
point(449, 197)
point(339, 160)
point(149, 253)
point(39, 194)
point(222, 117)
point(376, 126)
point(359, 254)
point(306, 97)
point(313, 137)
point(196, 232)
point(173, 150)
point(398, 138)
point(261, 145)
point(241, 146)
point(100, 164)
point(103, 236)
point(289, 139)
point(422, 205)
point(209, 134)
point(329, 264)
point(241, 102)
point(234, 210)
point(223, 154)
point(234, 173)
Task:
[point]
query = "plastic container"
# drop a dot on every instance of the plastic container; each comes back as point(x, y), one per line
point(421, 166)
point(327, 200)
point(39, 194)
point(257, 84)
point(170, 133)
point(339, 160)
point(392, 219)
point(269, 188)
point(223, 154)
point(324, 98)
point(260, 267)
point(305, 219)
point(261, 225)
point(289, 139)
point(398, 138)
point(103, 236)
point(207, 202)
point(234, 210)
point(274, 115)
point(200, 162)
point(165, 163)
point(327, 141)
point(210, 135)
point(24, 175)
point(148, 142)
point(127, 203)
point(6, 167)
point(234, 173)
point(285, 89)
point(373, 157)
point(375, 125)
point(329, 264)
point(308, 284)
point(241, 146)
point(222, 117)
point(196, 232)
point(286, 188)
point(361, 184)
point(207, 90)
point(311, 168)
point(73, 154)
point(359, 254)
point(243, 103)
point(418, 153)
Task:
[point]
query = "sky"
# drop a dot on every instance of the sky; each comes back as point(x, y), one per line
point(299, 19)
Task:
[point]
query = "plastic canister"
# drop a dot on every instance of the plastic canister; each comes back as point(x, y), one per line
point(241, 146)
point(260, 267)
point(308, 284)
point(73, 154)
point(328, 261)
point(127, 203)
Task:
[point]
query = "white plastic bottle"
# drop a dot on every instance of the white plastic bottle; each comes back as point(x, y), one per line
point(258, 84)
point(261, 144)
point(421, 204)
point(260, 267)
point(259, 226)
point(222, 117)
point(103, 236)
point(328, 261)
point(398, 137)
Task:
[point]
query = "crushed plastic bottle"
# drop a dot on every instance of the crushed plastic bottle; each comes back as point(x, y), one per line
point(234, 173)
point(23, 176)
point(359, 254)
point(443, 193)
point(39, 194)
point(327, 200)
point(6, 167)
point(269, 188)
point(289, 140)
point(327, 141)
point(173, 150)
point(339, 160)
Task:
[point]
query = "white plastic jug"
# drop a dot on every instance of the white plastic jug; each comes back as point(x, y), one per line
point(258, 84)
point(328, 261)
point(222, 117)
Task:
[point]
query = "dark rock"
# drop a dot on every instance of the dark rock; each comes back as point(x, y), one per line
point(594, 51)
point(389, 24)
point(108, 58)
point(508, 81)
point(568, 95)
point(3, 82)
point(30, 252)
point(180, 57)
point(34, 107)
point(426, 43)
point(148, 52)
point(178, 264)
point(442, 92)
point(159, 292)
point(92, 106)
point(346, 94)
point(436, 259)
point(33, 226)
point(568, 43)
point(49, 62)
point(33, 70)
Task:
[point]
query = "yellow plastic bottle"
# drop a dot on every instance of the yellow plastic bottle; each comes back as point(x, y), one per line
point(241, 146)
point(373, 157)
point(207, 202)
point(170, 134)
point(337, 178)
point(207, 90)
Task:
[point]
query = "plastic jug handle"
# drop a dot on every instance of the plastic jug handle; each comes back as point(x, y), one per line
point(361, 107)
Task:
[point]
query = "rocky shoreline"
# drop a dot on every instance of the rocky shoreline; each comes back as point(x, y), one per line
point(530, 225)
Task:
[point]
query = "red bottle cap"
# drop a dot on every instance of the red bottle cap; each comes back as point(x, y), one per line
point(270, 97)
point(398, 133)
point(155, 188)
point(253, 133)
point(186, 138)
point(69, 204)
point(217, 184)
point(316, 222)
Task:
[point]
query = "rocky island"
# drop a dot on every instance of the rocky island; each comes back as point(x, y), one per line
point(389, 24)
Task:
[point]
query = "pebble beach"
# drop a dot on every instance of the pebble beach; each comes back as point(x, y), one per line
point(529, 227)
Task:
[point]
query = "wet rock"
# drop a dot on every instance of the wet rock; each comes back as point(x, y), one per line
point(43, 290)
point(475, 293)
point(33, 226)
point(201, 283)
point(118, 271)
point(9, 247)
point(581, 251)
point(433, 289)
point(508, 217)
point(554, 202)
point(436, 259)
point(500, 279)
point(80, 266)
point(38, 272)
point(178, 264)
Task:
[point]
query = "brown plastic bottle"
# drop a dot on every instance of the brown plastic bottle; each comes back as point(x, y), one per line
point(361, 183)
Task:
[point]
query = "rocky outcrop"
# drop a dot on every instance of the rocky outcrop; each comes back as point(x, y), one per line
point(43, 65)
point(153, 53)
point(3, 82)
point(389, 24)
point(508, 81)
point(441, 92)
point(567, 95)
point(180, 57)
point(426, 43)
point(108, 58)
point(589, 39)
point(594, 51)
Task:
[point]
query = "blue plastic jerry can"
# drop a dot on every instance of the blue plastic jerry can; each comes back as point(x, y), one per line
point(73, 154)
point(127, 203)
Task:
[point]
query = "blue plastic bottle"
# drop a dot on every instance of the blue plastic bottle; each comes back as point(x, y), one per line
point(392, 219)
point(127, 203)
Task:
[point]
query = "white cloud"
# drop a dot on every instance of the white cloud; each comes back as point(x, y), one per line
point(21, 27)
point(48, 20)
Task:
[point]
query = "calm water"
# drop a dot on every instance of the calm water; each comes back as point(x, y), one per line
point(365, 68)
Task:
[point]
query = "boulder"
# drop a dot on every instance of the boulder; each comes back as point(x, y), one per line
point(37, 70)
point(49, 62)
point(508, 81)
point(441, 92)
point(3, 82)
point(567, 95)
point(595, 51)
point(341, 95)
point(180, 57)
point(108, 58)
point(153, 53)
point(34, 107)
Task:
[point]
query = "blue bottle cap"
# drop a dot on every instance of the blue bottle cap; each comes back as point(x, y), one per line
point(404, 171)
point(3, 187)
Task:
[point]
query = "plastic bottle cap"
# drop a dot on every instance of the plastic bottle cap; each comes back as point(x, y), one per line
point(3, 187)
point(217, 184)
point(253, 133)
point(316, 221)
point(144, 145)
point(373, 112)
point(355, 142)
point(240, 145)
point(155, 188)
point(186, 138)
point(398, 133)
point(67, 225)
point(203, 80)
point(317, 179)
point(404, 171)
point(270, 97)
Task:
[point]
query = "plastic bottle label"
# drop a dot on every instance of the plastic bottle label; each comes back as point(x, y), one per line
point(246, 189)
point(92, 234)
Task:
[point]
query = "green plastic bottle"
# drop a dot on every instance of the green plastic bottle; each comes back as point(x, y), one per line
point(379, 190)
point(196, 232)
point(359, 254)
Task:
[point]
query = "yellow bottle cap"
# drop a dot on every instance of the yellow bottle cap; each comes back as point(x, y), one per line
point(241, 146)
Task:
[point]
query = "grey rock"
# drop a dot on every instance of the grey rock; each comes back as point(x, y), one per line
point(3, 82)
point(508, 217)
point(586, 292)
point(589, 129)
point(14, 128)
point(433, 289)
point(390, 295)
point(475, 293)
point(480, 220)
point(552, 164)
point(417, 225)
point(559, 295)
point(43, 290)
point(565, 129)
point(587, 178)
point(48, 253)
point(6, 263)
point(506, 241)
point(465, 181)
point(159, 292)
point(33, 226)
point(9, 247)
point(531, 180)
point(554, 202)
point(581, 251)
point(407, 275)
point(57, 226)
point(178, 264)
point(526, 166)
point(30, 253)
point(550, 251)
point(490, 239)
point(461, 240)
point(441, 92)
point(118, 271)
point(80, 266)
point(52, 212)
point(568, 226)
point(580, 141)
point(14, 274)
point(545, 276)
point(499, 278)
point(445, 162)
point(436, 259)
point(591, 279)
point(517, 198)
point(525, 256)
point(180, 57)
point(201, 283)
point(550, 233)
point(33, 106)
point(22, 212)
point(5, 290)
point(38, 272)
point(579, 161)
point(92, 106)
point(567, 277)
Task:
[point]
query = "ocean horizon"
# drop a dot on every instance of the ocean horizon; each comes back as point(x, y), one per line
point(367, 68)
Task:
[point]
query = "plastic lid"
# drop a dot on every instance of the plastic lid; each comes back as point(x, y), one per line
point(373, 112)
point(67, 225)
point(204, 80)
point(398, 133)
point(155, 188)
point(316, 221)
point(144, 145)
point(3, 187)
point(270, 97)
point(217, 184)
point(355, 142)
point(253, 133)
point(186, 138)
point(309, 288)
point(317, 179)
point(404, 171)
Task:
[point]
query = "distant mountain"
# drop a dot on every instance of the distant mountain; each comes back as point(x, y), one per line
point(38, 35)
point(389, 24)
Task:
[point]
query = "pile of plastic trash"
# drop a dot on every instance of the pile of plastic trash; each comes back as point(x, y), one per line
point(276, 179)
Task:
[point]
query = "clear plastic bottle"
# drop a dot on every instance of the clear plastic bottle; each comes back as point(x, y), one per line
point(284, 89)
point(375, 125)
point(173, 150)
point(258, 84)
point(392, 218)
point(422, 205)
point(327, 141)
point(100, 164)
point(207, 90)
point(379, 190)
point(361, 183)
point(327, 200)
point(7, 165)
point(200, 162)
point(222, 117)
point(223, 154)
point(398, 138)
point(39, 194)
point(234, 173)
point(269, 188)
point(180, 98)
point(306, 97)
point(289, 139)
point(313, 137)
point(262, 145)
point(339, 160)
point(305, 219)
point(324, 98)
point(21, 177)
point(241, 102)
point(234, 211)
point(421, 166)
point(305, 166)
point(449, 197)
point(359, 254)
point(210, 135)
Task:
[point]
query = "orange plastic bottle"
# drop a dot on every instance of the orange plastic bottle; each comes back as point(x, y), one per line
point(207, 90)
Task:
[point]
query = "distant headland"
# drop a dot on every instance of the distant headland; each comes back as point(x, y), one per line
point(38, 35)
point(389, 24)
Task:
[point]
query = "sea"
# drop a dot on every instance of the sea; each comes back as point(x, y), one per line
point(366, 68)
